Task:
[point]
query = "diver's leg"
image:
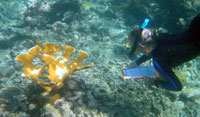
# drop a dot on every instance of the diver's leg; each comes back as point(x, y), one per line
point(172, 83)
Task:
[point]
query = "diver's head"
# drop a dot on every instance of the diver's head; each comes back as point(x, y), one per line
point(139, 40)
point(146, 36)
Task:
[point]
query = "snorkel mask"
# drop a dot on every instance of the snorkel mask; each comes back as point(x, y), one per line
point(138, 37)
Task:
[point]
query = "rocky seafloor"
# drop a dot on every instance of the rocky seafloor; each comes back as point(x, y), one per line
point(99, 28)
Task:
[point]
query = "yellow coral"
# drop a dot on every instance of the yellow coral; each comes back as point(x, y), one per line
point(58, 67)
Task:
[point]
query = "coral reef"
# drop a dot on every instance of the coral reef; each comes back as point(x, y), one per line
point(58, 68)
point(98, 27)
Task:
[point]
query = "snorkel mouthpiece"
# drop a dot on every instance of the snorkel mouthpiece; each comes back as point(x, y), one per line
point(144, 24)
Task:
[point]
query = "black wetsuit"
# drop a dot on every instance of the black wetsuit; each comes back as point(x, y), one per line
point(172, 50)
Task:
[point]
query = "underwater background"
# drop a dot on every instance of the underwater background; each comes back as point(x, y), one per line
point(99, 27)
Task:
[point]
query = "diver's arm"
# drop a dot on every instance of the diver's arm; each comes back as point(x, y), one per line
point(142, 59)
point(138, 61)
point(172, 83)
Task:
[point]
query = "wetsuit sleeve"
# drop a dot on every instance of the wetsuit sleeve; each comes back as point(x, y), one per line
point(142, 59)
point(172, 82)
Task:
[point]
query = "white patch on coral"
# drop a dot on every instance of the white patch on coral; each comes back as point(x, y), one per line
point(35, 71)
point(63, 61)
point(45, 55)
point(32, 72)
point(61, 72)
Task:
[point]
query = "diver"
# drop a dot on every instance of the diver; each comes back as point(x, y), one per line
point(166, 50)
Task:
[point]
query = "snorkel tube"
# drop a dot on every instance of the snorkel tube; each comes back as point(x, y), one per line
point(144, 24)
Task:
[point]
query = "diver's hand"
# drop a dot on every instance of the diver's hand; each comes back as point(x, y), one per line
point(131, 65)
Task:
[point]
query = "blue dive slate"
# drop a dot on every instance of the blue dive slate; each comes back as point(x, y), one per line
point(140, 72)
